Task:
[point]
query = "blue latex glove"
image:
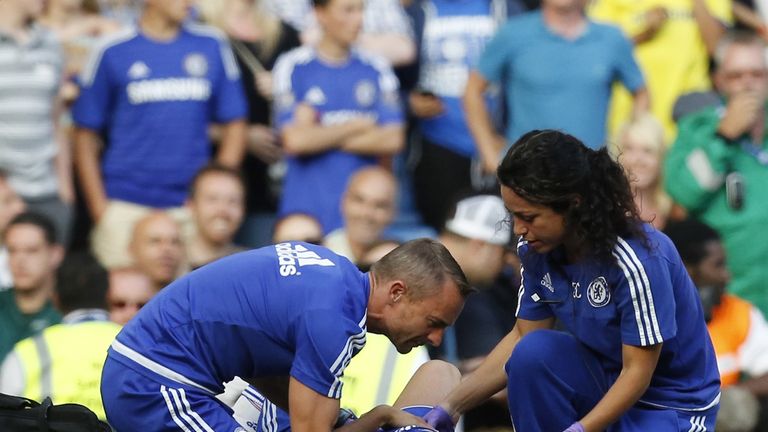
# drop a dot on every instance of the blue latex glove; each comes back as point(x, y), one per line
point(576, 427)
point(439, 419)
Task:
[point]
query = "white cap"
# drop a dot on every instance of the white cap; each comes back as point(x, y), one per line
point(481, 217)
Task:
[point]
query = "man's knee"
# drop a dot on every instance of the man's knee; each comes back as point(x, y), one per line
point(441, 370)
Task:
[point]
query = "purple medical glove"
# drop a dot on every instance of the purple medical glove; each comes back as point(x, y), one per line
point(439, 419)
point(576, 427)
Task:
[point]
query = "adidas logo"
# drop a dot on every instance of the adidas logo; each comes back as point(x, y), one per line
point(547, 282)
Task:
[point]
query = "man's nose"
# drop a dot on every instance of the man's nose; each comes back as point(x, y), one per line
point(435, 337)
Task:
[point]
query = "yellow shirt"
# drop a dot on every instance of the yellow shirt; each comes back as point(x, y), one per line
point(674, 61)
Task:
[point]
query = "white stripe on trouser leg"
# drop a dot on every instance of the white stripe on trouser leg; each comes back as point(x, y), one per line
point(172, 411)
point(703, 427)
point(180, 410)
point(195, 415)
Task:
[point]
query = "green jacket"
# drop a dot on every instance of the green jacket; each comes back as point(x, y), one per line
point(695, 170)
point(15, 325)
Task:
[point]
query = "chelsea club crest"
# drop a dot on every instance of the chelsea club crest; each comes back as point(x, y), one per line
point(598, 293)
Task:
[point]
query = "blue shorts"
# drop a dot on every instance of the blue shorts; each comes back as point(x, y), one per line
point(135, 402)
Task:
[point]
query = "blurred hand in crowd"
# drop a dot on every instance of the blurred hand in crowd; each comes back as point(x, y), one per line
point(262, 143)
point(425, 105)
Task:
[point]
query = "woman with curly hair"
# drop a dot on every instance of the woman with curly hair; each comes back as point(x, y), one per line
point(634, 353)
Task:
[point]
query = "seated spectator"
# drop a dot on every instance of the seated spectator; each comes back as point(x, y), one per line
point(129, 290)
point(640, 149)
point(367, 207)
point(34, 256)
point(375, 252)
point(64, 362)
point(337, 110)
point(216, 203)
point(738, 329)
point(10, 206)
point(477, 234)
point(298, 227)
point(157, 248)
point(717, 167)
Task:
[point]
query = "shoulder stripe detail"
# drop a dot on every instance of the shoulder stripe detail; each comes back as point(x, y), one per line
point(355, 342)
point(283, 70)
point(91, 66)
point(649, 292)
point(640, 291)
point(387, 79)
point(225, 50)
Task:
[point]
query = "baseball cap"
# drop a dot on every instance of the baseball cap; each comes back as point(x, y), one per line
point(481, 217)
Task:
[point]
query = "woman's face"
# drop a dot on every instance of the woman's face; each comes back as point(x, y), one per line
point(542, 227)
point(641, 160)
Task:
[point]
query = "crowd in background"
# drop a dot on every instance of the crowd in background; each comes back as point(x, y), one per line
point(141, 139)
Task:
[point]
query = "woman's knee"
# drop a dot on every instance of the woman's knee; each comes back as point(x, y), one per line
point(537, 349)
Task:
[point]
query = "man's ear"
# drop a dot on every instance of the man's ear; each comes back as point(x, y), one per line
point(57, 256)
point(397, 290)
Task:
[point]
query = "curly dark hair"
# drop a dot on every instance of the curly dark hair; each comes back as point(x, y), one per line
point(586, 186)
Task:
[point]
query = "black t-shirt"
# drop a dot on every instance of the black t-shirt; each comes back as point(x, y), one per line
point(258, 196)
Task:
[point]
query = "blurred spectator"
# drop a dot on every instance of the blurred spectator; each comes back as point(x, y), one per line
point(640, 148)
point(337, 111)
point(673, 41)
point(739, 411)
point(157, 248)
point(78, 30)
point(64, 361)
point(153, 89)
point(10, 206)
point(739, 331)
point(375, 252)
point(129, 290)
point(385, 32)
point(718, 167)
point(34, 256)
point(216, 203)
point(126, 12)
point(556, 67)
point(298, 227)
point(258, 38)
point(476, 233)
point(452, 38)
point(367, 207)
point(34, 151)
